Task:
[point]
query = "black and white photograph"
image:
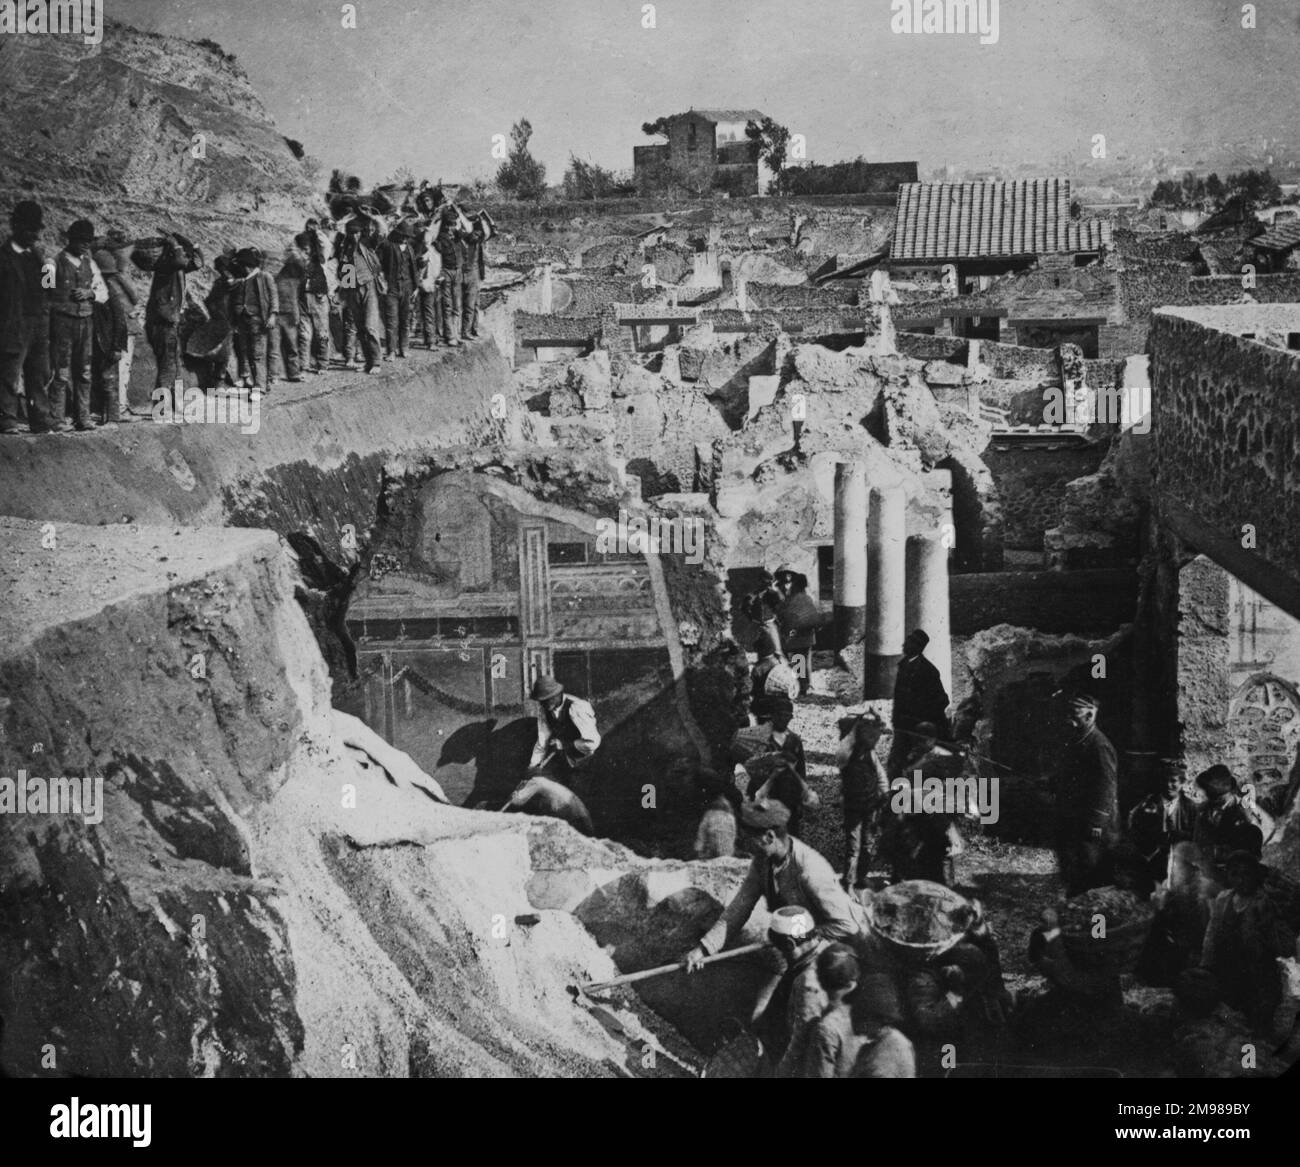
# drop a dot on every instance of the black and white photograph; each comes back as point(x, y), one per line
point(575, 539)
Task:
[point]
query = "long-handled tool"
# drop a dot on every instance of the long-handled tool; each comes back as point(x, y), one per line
point(662, 970)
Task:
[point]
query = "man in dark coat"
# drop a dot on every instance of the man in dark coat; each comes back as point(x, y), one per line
point(1223, 823)
point(256, 306)
point(919, 696)
point(1087, 801)
point(472, 276)
point(24, 325)
point(401, 274)
point(1163, 818)
point(110, 337)
point(452, 253)
point(162, 314)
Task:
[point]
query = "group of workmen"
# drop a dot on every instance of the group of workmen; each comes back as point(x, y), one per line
point(366, 286)
point(837, 1001)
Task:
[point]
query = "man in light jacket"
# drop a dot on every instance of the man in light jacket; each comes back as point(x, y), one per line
point(566, 731)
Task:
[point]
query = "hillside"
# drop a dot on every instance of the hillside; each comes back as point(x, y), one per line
point(109, 131)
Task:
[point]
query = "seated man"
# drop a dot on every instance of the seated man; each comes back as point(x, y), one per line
point(1224, 823)
point(1243, 941)
point(566, 731)
point(786, 874)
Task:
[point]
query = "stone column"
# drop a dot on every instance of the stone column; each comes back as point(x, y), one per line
point(927, 599)
point(886, 585)
point(850, 553)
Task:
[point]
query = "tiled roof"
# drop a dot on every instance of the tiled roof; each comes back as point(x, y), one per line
point(964, 220)
point(1281, 238)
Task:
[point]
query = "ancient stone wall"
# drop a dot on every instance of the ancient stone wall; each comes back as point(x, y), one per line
point(1086, 602)
point(1031, 484)
point(1227, 420)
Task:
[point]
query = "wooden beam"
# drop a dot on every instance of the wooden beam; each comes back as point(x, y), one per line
point(1274, 584)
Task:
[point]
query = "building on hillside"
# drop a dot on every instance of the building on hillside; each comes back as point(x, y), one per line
point(1275, 249)
point(986, 229)
point(707, 147)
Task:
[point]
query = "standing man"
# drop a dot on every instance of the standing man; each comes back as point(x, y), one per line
point(430, 268)
point(287, 332)
point(865, 788)
point(919, 696)
point(256, 308)
point(799, 617)
point(120, 283)
point(472, 277)
point(25, 325)
point(162, 313)
point(566, 731)
point(397, 258)
point(78, 287)
point(451, 251)
point(110, 335)
point(1087, 801)
point(1162, 819)
point(360, 283)
point(313, 302)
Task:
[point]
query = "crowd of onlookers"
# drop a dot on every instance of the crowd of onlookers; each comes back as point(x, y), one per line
point(365, 286)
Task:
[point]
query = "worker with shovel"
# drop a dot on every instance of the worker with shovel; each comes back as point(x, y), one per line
point(810, 909)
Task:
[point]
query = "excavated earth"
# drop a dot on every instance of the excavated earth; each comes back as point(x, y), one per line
point(256, 900)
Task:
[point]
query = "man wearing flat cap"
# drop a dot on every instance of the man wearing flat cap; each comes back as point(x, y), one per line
point(566, 731)
point(1087, 800)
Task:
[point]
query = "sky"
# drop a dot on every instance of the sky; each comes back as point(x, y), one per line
point(427, 87)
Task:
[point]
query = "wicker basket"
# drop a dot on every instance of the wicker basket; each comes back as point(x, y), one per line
point(1118, 949)
point(895, 913)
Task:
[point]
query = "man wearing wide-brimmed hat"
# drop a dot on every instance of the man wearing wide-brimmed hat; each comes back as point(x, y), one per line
point(24, 324)
point(566, 730)
point(1087, 800)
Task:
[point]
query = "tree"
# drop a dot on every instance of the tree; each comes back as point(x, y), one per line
point(1214, 188)
point(295, 148)
point(1257, 188)
point(521, 176)
point(772, 141)
point(586, 180)
point(658, 126)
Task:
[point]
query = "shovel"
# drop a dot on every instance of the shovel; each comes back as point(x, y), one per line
point(579, 991)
